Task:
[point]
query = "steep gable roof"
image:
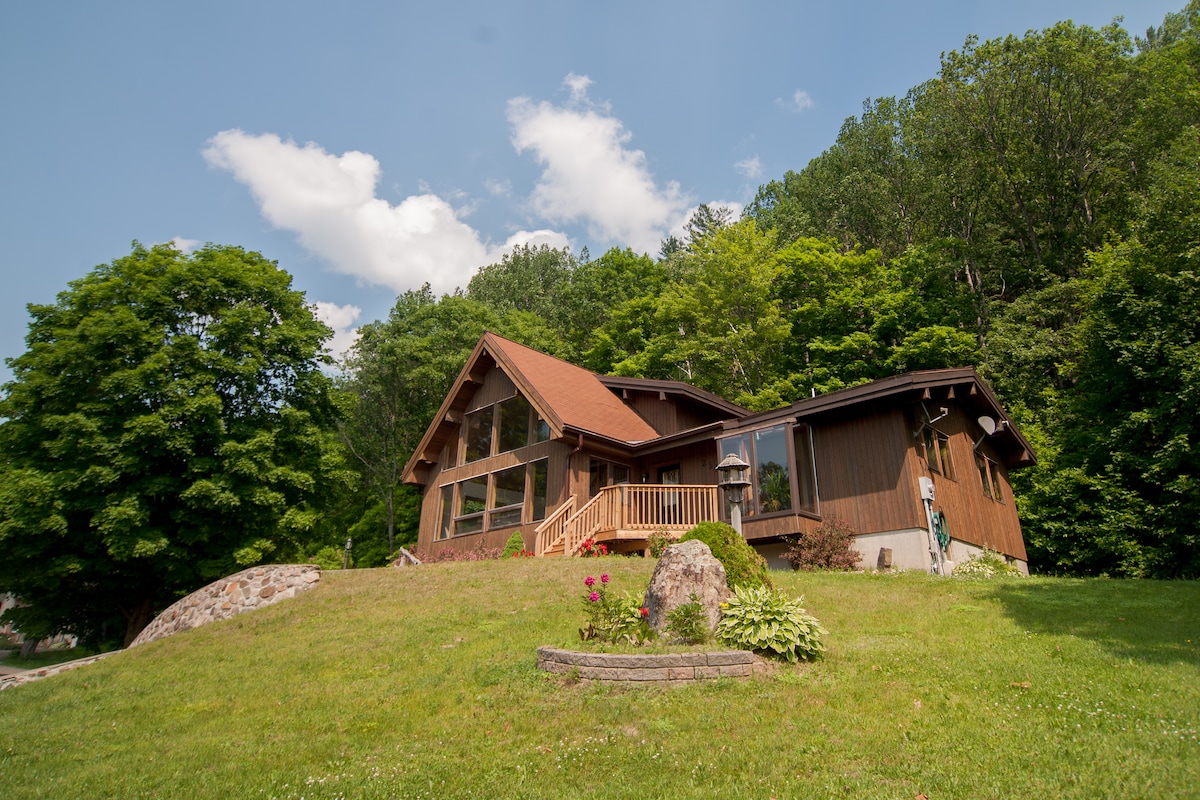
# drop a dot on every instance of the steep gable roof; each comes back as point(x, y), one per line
point(571, 399)
point(572, 396)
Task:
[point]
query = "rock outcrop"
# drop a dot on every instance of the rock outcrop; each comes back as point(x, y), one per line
point(244, 591)
point(682, 569)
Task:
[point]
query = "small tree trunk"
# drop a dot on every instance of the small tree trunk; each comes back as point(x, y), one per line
point(391, 514)
point(28, 648)
point(136, 620)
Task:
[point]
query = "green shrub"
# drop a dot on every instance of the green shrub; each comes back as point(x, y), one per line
point(986, 565)
point(830, 546)
point(688, 623)
point(515, 545)
point(770, 623)
point(743, 565)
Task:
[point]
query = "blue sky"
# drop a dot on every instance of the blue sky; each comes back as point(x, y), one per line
point(369, 147)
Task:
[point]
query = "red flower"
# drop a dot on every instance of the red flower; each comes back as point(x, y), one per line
point(589, 581)
point(645, 612)
point(604, 578)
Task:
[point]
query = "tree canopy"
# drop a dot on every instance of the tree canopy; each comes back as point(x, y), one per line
point(167, 425)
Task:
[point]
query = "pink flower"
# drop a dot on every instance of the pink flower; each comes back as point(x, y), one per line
point(604, 578)
point(594, 596)
point(645, 612)
point(589, 581)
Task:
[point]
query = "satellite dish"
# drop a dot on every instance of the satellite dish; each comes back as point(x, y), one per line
point(988, 424)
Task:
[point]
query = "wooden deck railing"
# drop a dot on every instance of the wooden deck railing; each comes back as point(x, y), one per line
point(552, 529)
point(624, 509)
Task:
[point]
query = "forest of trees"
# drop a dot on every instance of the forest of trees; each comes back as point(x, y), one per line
point(1031, 210)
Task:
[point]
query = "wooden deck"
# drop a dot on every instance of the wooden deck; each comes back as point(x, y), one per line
point(624, 516)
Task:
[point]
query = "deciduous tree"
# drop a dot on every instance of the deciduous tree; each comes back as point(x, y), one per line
point(166, 426)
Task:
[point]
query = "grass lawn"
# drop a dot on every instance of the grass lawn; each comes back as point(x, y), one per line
point(421, 683)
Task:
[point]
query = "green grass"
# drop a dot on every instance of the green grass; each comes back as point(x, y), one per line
point(44, 658)
point(421, 683)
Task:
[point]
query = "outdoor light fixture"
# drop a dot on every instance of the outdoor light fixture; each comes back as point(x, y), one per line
point(733, 476)
point(346, 557)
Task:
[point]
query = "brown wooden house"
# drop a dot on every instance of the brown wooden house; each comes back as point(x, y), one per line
point(527, 442)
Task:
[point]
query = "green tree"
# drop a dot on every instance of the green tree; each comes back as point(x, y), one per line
point(1131, 435)
point(395, 377)
point(166, 426)
point(530, 279)
point(719, 326)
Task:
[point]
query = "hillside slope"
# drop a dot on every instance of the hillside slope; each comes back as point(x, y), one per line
point(421, 683)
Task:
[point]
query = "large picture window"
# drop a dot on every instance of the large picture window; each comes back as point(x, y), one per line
point(478, 432)
point(501, 428)
point(514, 424)
point(506, 498)
point(806, 470)
point(472, 501)
point(772, 466)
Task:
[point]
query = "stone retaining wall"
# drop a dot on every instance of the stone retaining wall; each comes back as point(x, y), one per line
point(674, 668)
point(244, 591)
point(18, 678)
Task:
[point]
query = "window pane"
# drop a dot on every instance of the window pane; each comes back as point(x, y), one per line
point(472, 496)
point(469, 524)
point(509, 516)
point(930, 440)
point(772, 474)
point(510, 487)
point(997, 487)
point(739, 446)
point(806, 475)
point(620, 474)
point(541, 430)
point(539, 489)
point(479, 434)
point(597, 476)
point(944, 456)
point(514, 424)
point(981, 465)
point(445, 528)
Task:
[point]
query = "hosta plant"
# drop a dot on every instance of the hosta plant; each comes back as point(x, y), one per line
point(988, 564)
point(770, 623)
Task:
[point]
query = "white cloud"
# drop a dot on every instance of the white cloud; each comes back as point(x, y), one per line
point(341, 319)
point(800, 101)
point(498, 188)
point(589, 174)
point(750, 168)
point(330, 203)
point(184, 245)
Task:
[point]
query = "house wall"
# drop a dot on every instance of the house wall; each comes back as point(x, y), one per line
point(868, 469)
point(972, 517)
point(496, 386)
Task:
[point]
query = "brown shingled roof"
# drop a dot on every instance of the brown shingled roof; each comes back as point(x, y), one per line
point(573, 394)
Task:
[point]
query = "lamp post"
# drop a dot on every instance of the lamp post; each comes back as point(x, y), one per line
point(733, 476)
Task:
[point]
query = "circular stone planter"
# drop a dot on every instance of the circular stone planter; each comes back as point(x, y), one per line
point(674, 668)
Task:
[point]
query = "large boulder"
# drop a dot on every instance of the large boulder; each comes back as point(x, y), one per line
point(682, 569)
